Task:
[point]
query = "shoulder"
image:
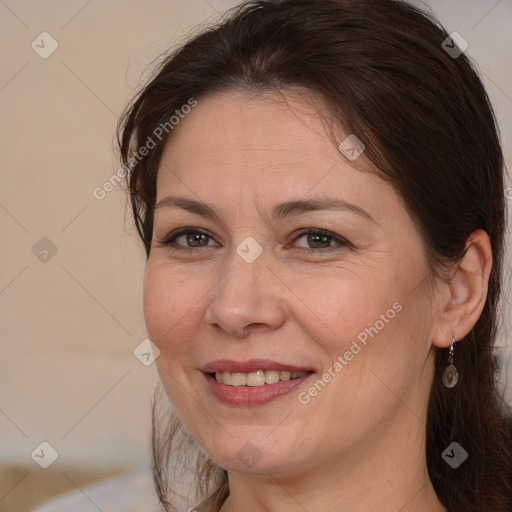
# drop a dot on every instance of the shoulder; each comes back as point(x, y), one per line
point(131, 492)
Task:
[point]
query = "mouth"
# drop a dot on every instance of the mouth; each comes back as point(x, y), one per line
point(254, 382)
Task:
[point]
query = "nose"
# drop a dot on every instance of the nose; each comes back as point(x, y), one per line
point(246, 298)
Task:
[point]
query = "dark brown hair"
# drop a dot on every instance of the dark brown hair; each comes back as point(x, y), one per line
point(429, 131)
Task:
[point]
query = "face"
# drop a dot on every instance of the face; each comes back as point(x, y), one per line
point(285, 290)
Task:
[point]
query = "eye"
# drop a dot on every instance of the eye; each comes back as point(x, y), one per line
point(187, 239)
point(192, 239)
point(319, 239)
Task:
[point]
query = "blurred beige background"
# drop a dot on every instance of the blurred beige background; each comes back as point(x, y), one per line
point(71, 267)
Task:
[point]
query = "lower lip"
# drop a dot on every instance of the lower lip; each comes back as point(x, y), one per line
point(252, 395)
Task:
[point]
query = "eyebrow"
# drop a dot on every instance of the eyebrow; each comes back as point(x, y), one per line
point(280, 211)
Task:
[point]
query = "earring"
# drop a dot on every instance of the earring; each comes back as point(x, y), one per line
point(450, 375)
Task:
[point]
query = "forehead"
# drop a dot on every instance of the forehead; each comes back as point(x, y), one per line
point(234, 124)
point(236, 144)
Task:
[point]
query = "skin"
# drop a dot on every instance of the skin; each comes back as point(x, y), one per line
point(358, 445)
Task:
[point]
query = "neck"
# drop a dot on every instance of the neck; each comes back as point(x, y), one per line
point(387, 474)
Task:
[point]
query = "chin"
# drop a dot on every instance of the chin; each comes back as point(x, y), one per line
point(254, 453)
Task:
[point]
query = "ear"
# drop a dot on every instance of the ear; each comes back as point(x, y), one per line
point(463, 296)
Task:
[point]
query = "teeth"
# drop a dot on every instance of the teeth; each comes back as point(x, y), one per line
point(285, 376)
point(238, 379)
point(258, 378)
point(271, 376)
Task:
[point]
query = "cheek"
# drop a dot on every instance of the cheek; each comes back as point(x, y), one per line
point(172, 301)
point(337, 309)
point(373, 333)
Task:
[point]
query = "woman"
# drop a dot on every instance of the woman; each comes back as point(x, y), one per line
point(319, 190)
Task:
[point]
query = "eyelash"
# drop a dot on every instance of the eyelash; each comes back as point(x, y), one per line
point(170, 239)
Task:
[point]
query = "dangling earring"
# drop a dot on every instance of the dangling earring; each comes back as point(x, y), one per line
point(450, 375)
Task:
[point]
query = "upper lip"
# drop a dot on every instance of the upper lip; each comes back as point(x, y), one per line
point(251, 365)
